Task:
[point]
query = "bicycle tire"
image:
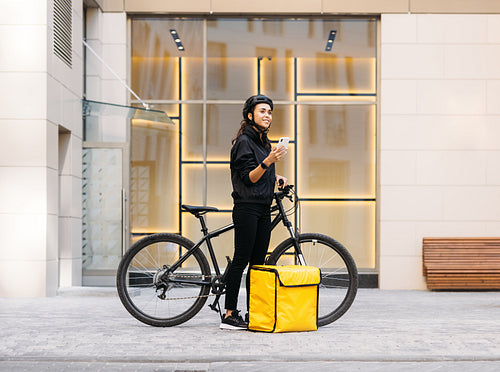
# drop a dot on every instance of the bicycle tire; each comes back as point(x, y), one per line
point(339, 274)
point(135, 278)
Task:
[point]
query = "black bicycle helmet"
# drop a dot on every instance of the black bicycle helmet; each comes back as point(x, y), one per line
point(254, 101)
point(250, 106)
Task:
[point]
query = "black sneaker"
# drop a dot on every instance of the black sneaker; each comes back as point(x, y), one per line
point(234, 321)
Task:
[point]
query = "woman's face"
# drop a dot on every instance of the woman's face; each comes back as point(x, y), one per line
point(263, 115)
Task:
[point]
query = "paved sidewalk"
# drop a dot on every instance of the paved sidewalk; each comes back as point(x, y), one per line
point(383, 331)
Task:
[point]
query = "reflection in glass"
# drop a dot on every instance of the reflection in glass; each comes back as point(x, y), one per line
point(156, 61)
point(217, 72)
point(267, 59)
point(223, 244)
point(238, 80)
point(285, 167)
point(282, 124)
point(171, 110)
point(350, 223)
point(192, 184)
point(219, 186)
point(327, 73)
point(276, 74)
point(223, 121)
point(192, 132)
point(314, 89)
point(218, 190)
point(154, 181)
point(262, 55)
point(336, 151)
point(102, 208)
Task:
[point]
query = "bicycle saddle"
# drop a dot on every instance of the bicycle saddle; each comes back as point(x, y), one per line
point(198, 209)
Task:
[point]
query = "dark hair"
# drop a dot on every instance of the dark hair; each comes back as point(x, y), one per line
point(248, 108)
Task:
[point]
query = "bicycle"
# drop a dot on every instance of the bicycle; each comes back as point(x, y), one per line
point(164, 279)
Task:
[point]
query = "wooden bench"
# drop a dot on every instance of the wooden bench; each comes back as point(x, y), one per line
point(462, 263)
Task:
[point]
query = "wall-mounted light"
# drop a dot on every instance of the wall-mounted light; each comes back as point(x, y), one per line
point(331, 39)
point(177, 39)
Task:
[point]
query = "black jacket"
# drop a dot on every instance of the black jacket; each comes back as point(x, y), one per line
point(246, 154)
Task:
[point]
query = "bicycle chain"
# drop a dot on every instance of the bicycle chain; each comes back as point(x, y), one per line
point(187, 298)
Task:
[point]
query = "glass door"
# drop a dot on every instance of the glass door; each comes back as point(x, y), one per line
point(105, 189)
point(104, 200)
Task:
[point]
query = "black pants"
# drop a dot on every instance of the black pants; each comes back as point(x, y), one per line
point(252, 231)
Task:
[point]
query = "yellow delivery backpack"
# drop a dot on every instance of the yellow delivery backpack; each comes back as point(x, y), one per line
point(283, 298)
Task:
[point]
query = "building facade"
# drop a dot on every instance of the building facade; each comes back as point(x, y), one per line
point(392, 126)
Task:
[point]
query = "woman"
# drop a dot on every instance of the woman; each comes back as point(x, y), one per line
point(253, 178)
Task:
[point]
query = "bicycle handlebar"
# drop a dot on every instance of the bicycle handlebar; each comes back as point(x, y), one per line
point(283, 191)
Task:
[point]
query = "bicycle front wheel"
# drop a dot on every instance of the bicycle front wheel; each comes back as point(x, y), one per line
point(339, 275)
point(153, 294)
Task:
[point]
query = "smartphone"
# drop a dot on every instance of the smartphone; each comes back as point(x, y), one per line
point(283, 142)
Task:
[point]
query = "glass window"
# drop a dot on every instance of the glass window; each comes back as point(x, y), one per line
point(193, 176)
point(191, 121)
point(154, 183)
point(325, 101)
point(223, 121)
point(282, 124)
point(351, 223)
point(219, 186)
point(158, 62)
point(336, 151)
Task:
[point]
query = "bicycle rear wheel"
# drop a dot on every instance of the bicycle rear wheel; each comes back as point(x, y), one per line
point(152, 295)
point(339, 275)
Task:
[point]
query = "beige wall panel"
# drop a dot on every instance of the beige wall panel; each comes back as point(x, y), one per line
point(111, 5)
point(70, 272)
point(455, 6)
point(299, 6)
point(25, 278)
point(401, 272)
point(266, 6)
point(164, 6)
point(365, 6)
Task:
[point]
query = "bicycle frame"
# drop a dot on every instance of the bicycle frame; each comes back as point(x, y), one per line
point(167, 266)
point(207, 236)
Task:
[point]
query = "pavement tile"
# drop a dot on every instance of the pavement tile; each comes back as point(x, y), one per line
point(383, 330)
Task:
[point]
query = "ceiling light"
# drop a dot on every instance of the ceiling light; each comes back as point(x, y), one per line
point(177, 39)
point(331, 39)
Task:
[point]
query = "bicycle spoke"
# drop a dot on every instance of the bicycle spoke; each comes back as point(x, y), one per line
point(152, 293)
point(338, 272)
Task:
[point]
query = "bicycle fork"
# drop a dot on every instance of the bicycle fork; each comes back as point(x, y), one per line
point(298, 251)
point(295, 236)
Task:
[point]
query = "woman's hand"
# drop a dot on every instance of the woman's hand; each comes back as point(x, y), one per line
point(281, 181)
point(276, 154)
